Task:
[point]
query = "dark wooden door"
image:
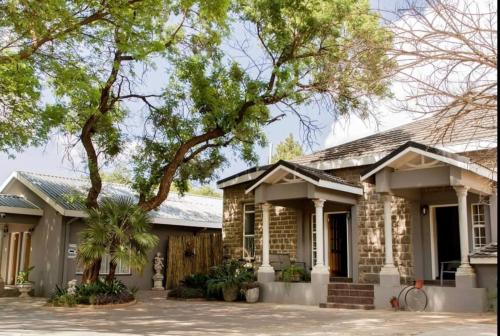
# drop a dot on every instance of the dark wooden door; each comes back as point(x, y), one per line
point(448, 237)
point(338, 244)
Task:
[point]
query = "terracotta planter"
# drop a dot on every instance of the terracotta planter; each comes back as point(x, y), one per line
point(24, 289)
point(230, 294)
point(252, 295)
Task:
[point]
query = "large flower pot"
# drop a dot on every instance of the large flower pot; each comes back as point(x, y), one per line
point(230, 294)
point(24, 289)
point(252, 295)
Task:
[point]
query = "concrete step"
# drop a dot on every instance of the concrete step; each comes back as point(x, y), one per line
point(351, 292)
point(340, 279)
point(350, 286)
point(347, 306)
point(350, 299)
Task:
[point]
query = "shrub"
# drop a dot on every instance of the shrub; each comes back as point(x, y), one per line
point(294, 273)
point(183, 292)
point(99, 292)
point(198, 280)
point(231, 274)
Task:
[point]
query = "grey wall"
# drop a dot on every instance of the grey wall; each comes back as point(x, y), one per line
point(487, 278)
point(144, 280)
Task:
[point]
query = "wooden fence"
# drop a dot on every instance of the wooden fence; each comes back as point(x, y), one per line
point(191, 254)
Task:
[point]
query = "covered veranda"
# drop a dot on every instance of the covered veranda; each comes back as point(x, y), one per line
point(314, 194)
point(18, 218)
point(431, 179)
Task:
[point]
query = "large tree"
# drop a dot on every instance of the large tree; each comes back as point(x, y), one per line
point(446, 52)
point(224, 64)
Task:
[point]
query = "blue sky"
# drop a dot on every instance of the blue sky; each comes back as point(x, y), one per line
point(52, 159)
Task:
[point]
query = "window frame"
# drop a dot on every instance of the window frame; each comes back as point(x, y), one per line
point(245, 236)
point(479, 224)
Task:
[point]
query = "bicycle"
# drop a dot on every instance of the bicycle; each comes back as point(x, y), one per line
point(415, 298)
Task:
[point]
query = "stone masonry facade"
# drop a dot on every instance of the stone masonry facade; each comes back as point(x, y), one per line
point(371, 238)
point(282, 226)
point(283, 229)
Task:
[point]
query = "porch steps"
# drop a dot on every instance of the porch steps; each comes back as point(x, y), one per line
point(348, 295)
point(340, 279)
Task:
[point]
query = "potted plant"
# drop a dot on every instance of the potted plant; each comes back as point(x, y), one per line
point(293, 273)
point(22, 282)
point(251, 291)
point(228, 278)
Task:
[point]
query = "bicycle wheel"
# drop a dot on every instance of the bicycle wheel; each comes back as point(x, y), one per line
point(401, 296)
point(416, 299)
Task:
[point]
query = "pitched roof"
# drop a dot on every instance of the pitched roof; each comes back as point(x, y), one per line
point(314, 175)
point(19, 205)
point(67, 195)
point(474, 127)
point(450, 158)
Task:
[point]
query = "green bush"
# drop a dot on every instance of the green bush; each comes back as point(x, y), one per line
point(231, 274)
point(294, 273)
point(99, 292)
point(183, 292)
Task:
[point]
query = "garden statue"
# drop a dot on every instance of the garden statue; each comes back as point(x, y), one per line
point(158, 277)
point(72, 287)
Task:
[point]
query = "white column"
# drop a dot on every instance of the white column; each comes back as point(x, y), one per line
point(389, 258)
point(465, 276)
point(389, 274)
point(320, 241)
point(2, 282)
point(265, 235)
point(493, 216)
point(266, 271)
point(320, 276)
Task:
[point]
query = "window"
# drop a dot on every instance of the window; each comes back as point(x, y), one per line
point(313, 237)
point(249, 231)
point(121, 268)
point(478, 225)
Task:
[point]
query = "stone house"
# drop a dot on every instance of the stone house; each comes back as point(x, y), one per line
point(41, 217)
point(371, 215)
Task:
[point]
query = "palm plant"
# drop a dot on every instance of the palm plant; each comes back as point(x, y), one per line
point(120, 229)
point(228, 278)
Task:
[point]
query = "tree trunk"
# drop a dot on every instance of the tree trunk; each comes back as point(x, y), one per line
point(91, 273)
point(112, 271)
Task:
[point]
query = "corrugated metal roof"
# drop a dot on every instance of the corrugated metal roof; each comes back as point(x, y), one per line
point(70, 194)
point(15, 201)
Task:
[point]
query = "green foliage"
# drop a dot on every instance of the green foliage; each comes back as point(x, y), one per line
point(230, 274)
point(22, 276)
point(120, 229)
point(183, 292)
point(211, 102)
point(294, 273)
point(287, 150)
point(99, 292)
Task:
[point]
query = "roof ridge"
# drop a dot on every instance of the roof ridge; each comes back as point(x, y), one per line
point(50, 175)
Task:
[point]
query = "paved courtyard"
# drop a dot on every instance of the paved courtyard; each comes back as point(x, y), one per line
point(157, 316)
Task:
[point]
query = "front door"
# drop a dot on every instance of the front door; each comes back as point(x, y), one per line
point(337, 243)
point(19, 255)
point(448, 239)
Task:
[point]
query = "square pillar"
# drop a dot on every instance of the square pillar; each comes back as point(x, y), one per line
point(465, 276)
point(266, 271)
point(389, 274)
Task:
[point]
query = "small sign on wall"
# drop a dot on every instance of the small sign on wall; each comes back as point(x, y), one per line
point(71, 251)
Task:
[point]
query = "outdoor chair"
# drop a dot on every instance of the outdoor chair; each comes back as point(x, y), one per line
point(448, 267)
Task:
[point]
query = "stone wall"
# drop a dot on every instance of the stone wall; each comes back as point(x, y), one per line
point(370, 241)
point(282, 225)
